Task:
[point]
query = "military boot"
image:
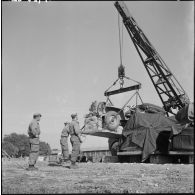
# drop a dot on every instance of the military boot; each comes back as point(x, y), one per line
point(31, 168)
point(73, 165)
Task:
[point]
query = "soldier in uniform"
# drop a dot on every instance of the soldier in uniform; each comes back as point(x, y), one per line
point(75, 139)
point(64, 143)
point(34, 132)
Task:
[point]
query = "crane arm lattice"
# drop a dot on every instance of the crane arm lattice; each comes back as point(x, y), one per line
point(168, 88)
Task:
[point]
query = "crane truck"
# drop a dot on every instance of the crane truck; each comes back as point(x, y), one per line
point(171, 136)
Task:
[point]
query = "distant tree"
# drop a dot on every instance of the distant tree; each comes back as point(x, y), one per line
point(21, 142)
point(10, 148)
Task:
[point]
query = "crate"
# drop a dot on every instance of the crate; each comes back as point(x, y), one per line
point(54, 159)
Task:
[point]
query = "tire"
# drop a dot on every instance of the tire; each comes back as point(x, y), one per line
point(112, 120)
point(114, 149)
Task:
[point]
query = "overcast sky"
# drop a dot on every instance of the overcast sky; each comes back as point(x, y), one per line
point(58, 57)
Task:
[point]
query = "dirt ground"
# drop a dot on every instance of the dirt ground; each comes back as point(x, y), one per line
point(97, 178)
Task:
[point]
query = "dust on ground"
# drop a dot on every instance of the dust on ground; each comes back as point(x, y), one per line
point(97, 178)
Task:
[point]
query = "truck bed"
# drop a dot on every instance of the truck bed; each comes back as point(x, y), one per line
point(102, 133)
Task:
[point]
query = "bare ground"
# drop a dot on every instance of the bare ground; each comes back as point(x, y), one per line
point(97, 178)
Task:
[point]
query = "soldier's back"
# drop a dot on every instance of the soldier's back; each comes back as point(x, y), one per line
point(65, 131)
point(71, 128)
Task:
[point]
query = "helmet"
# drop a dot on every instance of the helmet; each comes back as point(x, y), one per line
point(36, 114)
point(74, 115)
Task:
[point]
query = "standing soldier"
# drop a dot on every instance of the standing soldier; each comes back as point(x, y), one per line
point(64, 143)
point(75, 139)
point(34, 132)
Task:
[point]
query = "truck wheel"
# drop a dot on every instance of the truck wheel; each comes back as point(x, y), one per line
point(112, 120)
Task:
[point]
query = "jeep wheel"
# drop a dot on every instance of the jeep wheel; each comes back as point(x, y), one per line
point(112, 120)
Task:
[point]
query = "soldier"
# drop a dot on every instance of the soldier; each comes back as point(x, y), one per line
point(34, 132)
point(64, 143)
point(75, 139)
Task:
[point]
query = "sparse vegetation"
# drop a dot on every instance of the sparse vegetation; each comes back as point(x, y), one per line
point(97, 178)
point(17, 145)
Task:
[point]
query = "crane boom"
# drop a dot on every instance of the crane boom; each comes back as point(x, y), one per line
point(168, 88)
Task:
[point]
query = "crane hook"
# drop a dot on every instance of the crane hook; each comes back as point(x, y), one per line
point(121, 75)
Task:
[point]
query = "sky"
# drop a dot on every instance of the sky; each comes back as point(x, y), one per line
point(58, 57)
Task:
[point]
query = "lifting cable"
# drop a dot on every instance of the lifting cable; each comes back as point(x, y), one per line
point(120, 28)
point(121, 46)
point(120, 38)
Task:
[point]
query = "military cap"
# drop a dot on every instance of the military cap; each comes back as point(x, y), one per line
point(74, 115)
point(36, 114)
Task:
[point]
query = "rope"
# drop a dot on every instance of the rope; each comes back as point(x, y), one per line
point(132, 80)
point(112, 85)
point(140, 98)
point(127, 102)
point(108, 99)
point(137, 96)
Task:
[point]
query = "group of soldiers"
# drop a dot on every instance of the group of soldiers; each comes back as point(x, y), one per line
point(71, 129)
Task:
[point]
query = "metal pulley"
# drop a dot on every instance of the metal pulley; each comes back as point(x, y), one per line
point(121, 71)
point(121, 75)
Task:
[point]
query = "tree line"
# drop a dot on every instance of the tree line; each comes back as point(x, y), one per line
point(17, 145)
